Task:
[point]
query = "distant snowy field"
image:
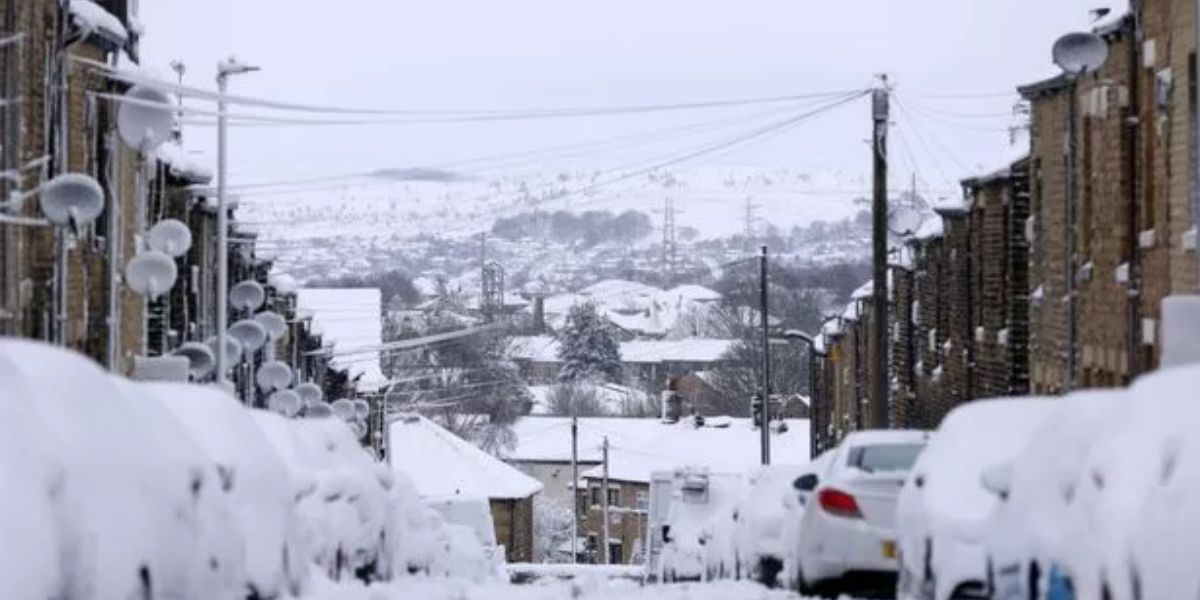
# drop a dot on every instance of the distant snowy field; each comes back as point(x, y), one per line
point(712, 199)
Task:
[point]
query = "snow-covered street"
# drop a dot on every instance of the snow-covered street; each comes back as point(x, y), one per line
point(589, 588)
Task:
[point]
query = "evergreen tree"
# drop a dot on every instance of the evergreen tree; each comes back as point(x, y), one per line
point(588, 349)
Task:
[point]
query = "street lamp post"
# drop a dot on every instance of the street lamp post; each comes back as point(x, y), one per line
point(225, 68)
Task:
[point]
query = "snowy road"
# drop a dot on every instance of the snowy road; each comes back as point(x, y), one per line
point(586, 589)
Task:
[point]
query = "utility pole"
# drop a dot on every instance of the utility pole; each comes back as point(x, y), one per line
point(225, 68)
point(879, 210)
point(574, 483)
point(765, 412)
point(604, 501)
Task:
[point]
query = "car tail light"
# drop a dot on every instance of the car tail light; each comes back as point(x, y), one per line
point(839, 503)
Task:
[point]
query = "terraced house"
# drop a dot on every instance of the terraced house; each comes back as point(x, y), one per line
point(1050, 273)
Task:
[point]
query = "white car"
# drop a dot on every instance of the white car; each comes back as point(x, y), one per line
point(1141, 465)
point(799, 500)
point(849, 532)
point(1027, 530)
point(943, 509)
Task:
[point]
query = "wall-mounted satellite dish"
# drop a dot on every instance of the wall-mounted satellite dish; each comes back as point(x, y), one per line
point(283, 283)
point(343, 409)
point(904, 221)
point(359, 429)
point(362, 409)
point(284, 402)
point(247, 295)
point(72, 199)
point(274, 375)
point(151, 273)
point(233, 350)
point(310, 393)
point(201, 357)
point(146, 117)
point(171, 237)
point(249, 334)
point(1080, 53)
point(318, 411)
point(275, 324)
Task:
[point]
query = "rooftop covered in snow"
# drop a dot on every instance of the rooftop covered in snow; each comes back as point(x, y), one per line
point(351, 321)
point(442, 464)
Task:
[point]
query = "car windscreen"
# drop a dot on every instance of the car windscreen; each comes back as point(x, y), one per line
point(884, 457)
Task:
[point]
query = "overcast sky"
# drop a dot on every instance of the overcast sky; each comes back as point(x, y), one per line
point(555, 53)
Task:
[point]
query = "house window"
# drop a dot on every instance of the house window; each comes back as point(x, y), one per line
point(643, 501)
point(614, 496)
point(615, 555)
point(596, 496)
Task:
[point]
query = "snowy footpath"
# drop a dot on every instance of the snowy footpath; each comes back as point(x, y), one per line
point(584, 589)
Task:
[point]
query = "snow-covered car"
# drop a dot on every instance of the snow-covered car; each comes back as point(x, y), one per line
point(696, 496)
point(849, 532)
point(1130, 527)
point(1027, 530)
point(799, 500)
point(943, 508)
point(215, 564)
point(37, 522)
point(138, 518)
point(760, 518)
point(346, 474)
point(1166, 541)
point(255, 479)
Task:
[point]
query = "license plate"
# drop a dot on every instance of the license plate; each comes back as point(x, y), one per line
point(889, 549)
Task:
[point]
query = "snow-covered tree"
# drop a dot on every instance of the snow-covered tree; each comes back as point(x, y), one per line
point(588, 349)
point(551, 528)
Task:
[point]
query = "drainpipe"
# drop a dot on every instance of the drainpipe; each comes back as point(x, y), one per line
point(1069, 222)
point(12, 145)
point(1133, 257)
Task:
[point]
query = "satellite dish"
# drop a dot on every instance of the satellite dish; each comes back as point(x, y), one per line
point(275, 325)
point(146, 118)
point(274, 375)
point(151, 273)
point(247, 295)
point(362, 409)
point(283, 283)
point(318, 411)
point(233, 350)
point(171, 237)
point(904, 221)
point(310, 393)
point(359, 429)
point(72, 199)
point(201, 357)
point(1080, 53)
point(284, 402)
point(343, 409)
point(249, 334)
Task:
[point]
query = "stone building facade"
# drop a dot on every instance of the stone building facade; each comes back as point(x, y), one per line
point(1050, 273)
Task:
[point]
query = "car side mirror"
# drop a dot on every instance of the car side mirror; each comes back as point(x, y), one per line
point(806, 482)
point(997, 479)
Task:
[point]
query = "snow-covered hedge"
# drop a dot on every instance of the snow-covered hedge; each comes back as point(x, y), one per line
point(111, 489)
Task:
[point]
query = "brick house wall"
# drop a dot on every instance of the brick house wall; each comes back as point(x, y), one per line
point(627, 515)
point(513, 520)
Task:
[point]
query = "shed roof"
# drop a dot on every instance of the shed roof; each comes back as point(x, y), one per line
point(442, 464)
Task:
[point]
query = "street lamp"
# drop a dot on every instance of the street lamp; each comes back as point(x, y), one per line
point(813, 418)
point(225, 68)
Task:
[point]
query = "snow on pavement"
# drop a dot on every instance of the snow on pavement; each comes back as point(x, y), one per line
point(593, 588)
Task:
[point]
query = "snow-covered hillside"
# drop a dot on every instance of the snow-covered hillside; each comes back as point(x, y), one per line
point(357, 229)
